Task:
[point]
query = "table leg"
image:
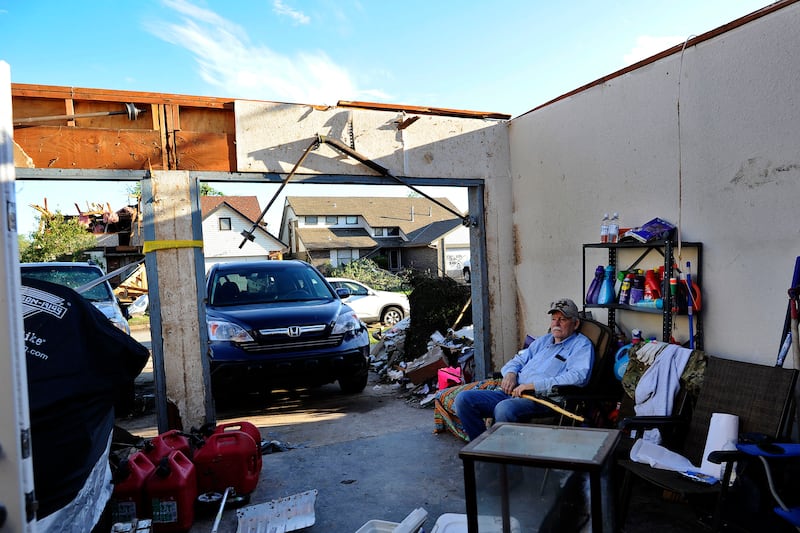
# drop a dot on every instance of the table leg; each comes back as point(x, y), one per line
point(596, 502)
point(504, 499)
point(471, 496)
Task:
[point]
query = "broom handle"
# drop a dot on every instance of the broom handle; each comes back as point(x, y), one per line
point(554, 407)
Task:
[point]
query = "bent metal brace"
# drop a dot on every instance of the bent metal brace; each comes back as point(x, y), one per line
point(338, 145)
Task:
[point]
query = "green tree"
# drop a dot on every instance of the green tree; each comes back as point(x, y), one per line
point(58, 239)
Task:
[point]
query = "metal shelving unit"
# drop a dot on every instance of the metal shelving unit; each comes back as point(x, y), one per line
point(666, 249)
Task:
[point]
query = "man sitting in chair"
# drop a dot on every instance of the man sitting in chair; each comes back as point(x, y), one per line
point(561, 357)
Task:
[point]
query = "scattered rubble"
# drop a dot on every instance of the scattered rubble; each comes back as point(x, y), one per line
point(448, 361)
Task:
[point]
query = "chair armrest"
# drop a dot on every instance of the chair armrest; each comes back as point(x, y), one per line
point(651, 422)
point(725, 456)
point(770, 449)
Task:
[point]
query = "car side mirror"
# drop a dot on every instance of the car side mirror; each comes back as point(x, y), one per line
point(343, 292)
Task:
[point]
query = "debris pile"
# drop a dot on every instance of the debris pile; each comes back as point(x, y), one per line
point(448, 361)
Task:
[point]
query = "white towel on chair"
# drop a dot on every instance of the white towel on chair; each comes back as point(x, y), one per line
point(659, 457)
point(656, 390)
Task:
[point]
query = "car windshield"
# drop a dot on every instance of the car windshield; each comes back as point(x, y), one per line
point(72, 277)
point(260, 285)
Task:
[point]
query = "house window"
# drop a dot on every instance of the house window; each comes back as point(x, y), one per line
point(224, 223)
point(311, 220)
point(379, 232)
point(331, 220)
point(393, 232)
point(351, 219)
point(344, 256)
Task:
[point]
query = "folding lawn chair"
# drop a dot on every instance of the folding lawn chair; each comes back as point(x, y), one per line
point(761, 396)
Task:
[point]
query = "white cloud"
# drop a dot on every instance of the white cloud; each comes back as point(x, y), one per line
point(227, 60)
point(297, 16)
point(648, 45)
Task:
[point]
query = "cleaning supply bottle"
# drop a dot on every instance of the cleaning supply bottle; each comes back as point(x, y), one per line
point(652, 289)
point(625, 290)
point(637, 290)
point(604, 228)
point(613, 228)
point(607, 287)
point(594, 287)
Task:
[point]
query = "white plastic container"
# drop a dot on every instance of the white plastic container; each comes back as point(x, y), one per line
point(378, 526)
point(410, 524)
point(457, 523)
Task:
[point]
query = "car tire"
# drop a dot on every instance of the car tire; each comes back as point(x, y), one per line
point(391, 316)
point(467, 275)
point(353, 384)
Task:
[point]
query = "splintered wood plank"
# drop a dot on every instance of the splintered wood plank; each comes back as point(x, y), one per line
point(68, 147)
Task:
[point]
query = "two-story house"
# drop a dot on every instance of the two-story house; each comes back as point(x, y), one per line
point(224, 219)
point(399, 232)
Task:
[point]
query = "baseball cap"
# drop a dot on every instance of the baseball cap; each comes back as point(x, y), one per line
point(566, 306)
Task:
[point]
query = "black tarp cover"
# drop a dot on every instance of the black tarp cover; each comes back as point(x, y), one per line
point(77, 362)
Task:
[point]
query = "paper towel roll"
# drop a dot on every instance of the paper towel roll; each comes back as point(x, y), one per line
point(723, 434)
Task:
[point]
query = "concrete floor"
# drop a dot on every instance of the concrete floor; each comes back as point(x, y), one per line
point(371, 456)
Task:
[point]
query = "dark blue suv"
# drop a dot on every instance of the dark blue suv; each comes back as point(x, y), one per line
point(279, 324)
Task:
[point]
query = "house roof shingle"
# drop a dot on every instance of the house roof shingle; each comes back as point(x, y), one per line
point(410, 214)
point(246, 205)
point(334, 238)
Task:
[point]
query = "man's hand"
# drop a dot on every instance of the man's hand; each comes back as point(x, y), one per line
point(519, 389)
point(508, 383)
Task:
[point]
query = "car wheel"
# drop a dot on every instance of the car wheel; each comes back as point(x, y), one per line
point(353, 384)
point(391, 316)
point(467, 275)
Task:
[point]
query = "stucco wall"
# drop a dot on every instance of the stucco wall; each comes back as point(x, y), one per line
point(614, 147)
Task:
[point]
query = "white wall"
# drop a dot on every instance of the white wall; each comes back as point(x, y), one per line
point(614, 147)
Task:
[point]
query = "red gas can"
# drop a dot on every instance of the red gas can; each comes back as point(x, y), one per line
point(227, 459)
point(159, 446)
point(248, 428)
point(172, 491)
point(128, 500)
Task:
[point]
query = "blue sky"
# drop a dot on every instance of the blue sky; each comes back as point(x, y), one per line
point(505, 56)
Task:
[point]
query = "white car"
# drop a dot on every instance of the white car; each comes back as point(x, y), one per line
point(372, 305)
point(465, 270)
point(75, 276)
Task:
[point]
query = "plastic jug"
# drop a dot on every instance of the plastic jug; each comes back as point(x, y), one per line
point(607, 288)
point(248, 428)
point(594, 287)
point(128, 500)
point(227, 459)
point(161, 445)
point(172, 491)
point(621, 361)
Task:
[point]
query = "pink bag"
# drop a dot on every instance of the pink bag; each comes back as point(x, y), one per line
point(449, 376)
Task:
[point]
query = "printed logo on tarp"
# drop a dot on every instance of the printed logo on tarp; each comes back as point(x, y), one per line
point(38, 301)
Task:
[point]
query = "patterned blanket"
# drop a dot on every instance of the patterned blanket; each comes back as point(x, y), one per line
point(444, 416)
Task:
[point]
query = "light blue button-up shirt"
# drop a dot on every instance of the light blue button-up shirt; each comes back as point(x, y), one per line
point(546, 363)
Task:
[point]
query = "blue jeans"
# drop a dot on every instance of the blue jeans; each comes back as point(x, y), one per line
point(473, 406)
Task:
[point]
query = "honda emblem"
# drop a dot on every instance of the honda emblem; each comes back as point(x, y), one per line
point(294, 331)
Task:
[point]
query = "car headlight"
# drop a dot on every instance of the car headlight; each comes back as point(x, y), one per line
point(347, 322)
point(220, 330)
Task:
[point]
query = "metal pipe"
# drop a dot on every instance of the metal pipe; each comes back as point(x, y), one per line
point(385, 171)
point(131, 110)
point(215, 526)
